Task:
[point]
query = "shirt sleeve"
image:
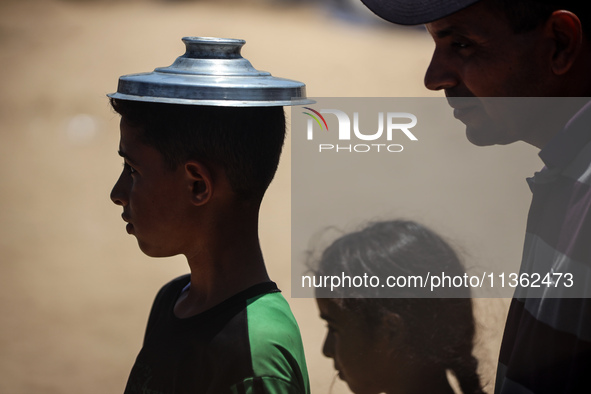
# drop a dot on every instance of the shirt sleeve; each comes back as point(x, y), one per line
point(265, 385)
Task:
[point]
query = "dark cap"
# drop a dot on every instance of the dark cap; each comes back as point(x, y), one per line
point(415, 12)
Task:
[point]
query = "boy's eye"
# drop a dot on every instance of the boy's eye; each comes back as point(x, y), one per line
point(128, 167)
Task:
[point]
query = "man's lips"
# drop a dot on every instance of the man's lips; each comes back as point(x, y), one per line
point(462, 113)
point(464, 107)
point(462, 102)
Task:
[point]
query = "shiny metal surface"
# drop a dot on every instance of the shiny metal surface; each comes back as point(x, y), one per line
point(211, 72)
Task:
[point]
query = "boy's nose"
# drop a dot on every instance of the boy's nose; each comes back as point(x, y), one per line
point(118, 194)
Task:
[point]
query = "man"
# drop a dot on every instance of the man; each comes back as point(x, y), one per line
point(488, 49)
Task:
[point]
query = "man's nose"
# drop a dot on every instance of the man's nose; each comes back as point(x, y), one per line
point(441, 74)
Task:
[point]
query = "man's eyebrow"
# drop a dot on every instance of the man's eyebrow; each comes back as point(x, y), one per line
point(446, 32)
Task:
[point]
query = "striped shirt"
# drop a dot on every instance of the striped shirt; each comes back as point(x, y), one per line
point(547, 341)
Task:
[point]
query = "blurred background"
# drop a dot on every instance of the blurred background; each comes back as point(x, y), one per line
point(75, 290)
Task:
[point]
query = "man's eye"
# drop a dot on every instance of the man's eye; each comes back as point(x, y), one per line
point(460, 44)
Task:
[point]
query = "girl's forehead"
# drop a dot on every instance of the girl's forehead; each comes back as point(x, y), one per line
point(333, 310)
point(329, 308)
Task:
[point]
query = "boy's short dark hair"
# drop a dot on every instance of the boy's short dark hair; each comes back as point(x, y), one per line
point(245, 141)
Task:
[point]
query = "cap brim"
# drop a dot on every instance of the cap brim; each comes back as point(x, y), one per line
point(415, 12)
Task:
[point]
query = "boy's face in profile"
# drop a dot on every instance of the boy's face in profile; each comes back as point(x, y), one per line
point(155, 199)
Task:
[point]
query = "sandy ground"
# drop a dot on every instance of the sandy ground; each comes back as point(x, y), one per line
point(74, 289)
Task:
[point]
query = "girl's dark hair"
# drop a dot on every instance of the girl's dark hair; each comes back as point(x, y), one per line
point(245, 141)
point(440, 330)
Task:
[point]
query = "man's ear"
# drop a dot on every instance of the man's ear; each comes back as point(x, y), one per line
point(200, 182)
point(567, 33)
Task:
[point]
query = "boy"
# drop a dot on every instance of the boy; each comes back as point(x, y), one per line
point(193, 180)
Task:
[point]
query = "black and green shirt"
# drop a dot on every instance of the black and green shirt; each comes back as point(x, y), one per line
point(249, 343)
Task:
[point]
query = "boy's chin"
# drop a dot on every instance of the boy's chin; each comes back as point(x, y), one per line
point(154, 251)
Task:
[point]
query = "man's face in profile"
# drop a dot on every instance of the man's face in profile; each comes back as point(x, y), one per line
point(478, 54)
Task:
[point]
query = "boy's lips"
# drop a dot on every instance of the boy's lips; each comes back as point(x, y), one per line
point(129, 227)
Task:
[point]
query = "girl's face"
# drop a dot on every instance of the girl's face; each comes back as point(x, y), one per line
point(361, 355)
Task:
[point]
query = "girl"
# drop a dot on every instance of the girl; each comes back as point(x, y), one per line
point(397, 345)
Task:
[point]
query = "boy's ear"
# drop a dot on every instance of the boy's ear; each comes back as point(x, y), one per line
point(200, 182)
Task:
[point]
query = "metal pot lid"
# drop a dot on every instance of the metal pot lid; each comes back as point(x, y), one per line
point(211, 72)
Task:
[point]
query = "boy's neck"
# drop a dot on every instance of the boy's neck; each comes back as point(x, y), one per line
point(228, 261)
